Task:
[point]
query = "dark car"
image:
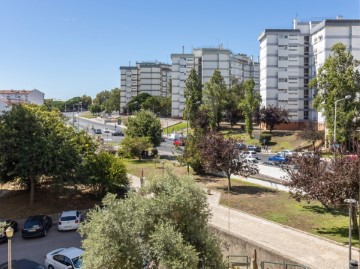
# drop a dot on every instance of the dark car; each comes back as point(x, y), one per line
point(117, 133)
point(22, 264)
point(9, 223)
point(254, 148)
point(97, 131)
point(36, 226)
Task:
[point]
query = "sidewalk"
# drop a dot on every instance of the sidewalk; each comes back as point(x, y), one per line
point(306, 249)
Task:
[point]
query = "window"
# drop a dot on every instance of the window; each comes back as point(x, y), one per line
point(306, 115)
point(283, 47)
point(282, 79)
point(306, 93)
point(292, 78)
point(283, 58)
point(306, 104)
point(283, 90)
point(320, 37)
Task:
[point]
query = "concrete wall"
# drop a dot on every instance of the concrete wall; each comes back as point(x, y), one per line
point(236, 245)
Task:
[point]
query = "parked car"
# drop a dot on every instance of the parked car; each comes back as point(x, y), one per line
point(97, 131)
point(251, 159)
point(69, 220)
point(287, 152)
point(174, 136)
point(22, 264)
point(62, 258)
point(179, 142)
point(117, 133)
point(251, 154)
point(37, 225)
point(106, 131)
point(254, 148)
point(278, 158)
point(9, 223)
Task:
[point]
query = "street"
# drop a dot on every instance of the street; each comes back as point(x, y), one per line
point(36, 248)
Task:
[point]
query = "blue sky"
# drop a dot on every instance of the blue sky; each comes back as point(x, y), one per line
point(68, 48)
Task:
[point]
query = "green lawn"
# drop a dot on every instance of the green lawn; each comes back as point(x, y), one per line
point(270, 204)
point(178, 128)
point(277, 206)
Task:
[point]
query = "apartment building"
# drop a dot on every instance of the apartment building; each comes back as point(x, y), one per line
point(10, 97)
point(205, 61)
point(290, 58)
point(146, 77)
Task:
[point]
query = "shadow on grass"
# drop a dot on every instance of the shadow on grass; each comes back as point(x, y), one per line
point(322, 210)
point(250, 190)
point(338, 231)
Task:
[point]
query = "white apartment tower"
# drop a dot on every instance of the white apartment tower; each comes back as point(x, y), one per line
point(205, 61)
point(146, 77)
point(290, 58)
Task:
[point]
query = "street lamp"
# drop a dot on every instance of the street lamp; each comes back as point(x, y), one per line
point(351, 202)
point(337, 101)
point(9, 234)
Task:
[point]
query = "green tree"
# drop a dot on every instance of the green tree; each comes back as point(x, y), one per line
point(105, 173)
point(145, 124)
point(86, 101)
point(101, 98)
point(113, 103)
point(136, 102)
point(337, 78)
point(95, 109)
point(153, 227)
point(134, 146)
point(214, 98)
point(309, 133)
point(233, 95)
point(35, 142)
point(249, 104)
point(193, 96)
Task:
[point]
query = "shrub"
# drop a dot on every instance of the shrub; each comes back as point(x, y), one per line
point(265, 136)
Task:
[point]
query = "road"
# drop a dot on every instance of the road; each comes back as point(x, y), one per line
point(36, 248)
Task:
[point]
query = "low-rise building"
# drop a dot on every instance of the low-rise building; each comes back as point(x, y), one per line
point(10, 97)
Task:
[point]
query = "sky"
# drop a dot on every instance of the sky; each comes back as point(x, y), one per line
point(68, 48)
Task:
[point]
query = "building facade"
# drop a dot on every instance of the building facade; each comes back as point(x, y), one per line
point(205, 61)
point(10, 97)
point(146, 77)
point(290, 58)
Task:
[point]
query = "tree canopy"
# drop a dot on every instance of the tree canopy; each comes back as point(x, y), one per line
point(214, 98)
point(145, 124)
point(272, 116)
point(35, 142)
point(338, 77)
point(193, 96)
point(249, 104)
point(223, 155)
point(152, 228)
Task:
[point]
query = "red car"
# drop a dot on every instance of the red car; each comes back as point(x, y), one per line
point(179, 142)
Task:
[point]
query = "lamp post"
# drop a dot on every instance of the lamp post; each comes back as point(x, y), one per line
point(351, 202)
point(336, 102)
point(9, 234)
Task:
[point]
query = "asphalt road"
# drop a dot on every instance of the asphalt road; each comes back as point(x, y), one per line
point(36, 248)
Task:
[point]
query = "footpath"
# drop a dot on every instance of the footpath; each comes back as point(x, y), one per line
point(304, 248)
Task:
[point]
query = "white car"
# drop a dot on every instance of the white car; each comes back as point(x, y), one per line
point(64, 258)
point(106, 131)
point(251, 154)
point(69, 220)
point(287, 153)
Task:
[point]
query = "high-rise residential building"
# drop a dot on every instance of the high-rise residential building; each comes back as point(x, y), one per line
point(290, 58)
point(205, 61)
point(146, 77)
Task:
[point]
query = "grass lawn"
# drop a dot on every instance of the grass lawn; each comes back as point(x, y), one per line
point(277, 206)
point(178, 128)
point(269, 204)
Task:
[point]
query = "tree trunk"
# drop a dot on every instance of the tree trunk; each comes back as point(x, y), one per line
point(229, 184)
point(32, 190)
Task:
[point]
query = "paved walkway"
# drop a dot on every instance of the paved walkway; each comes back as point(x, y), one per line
point(304, 248)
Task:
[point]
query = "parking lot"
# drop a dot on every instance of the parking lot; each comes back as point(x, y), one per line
point(36, 248)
